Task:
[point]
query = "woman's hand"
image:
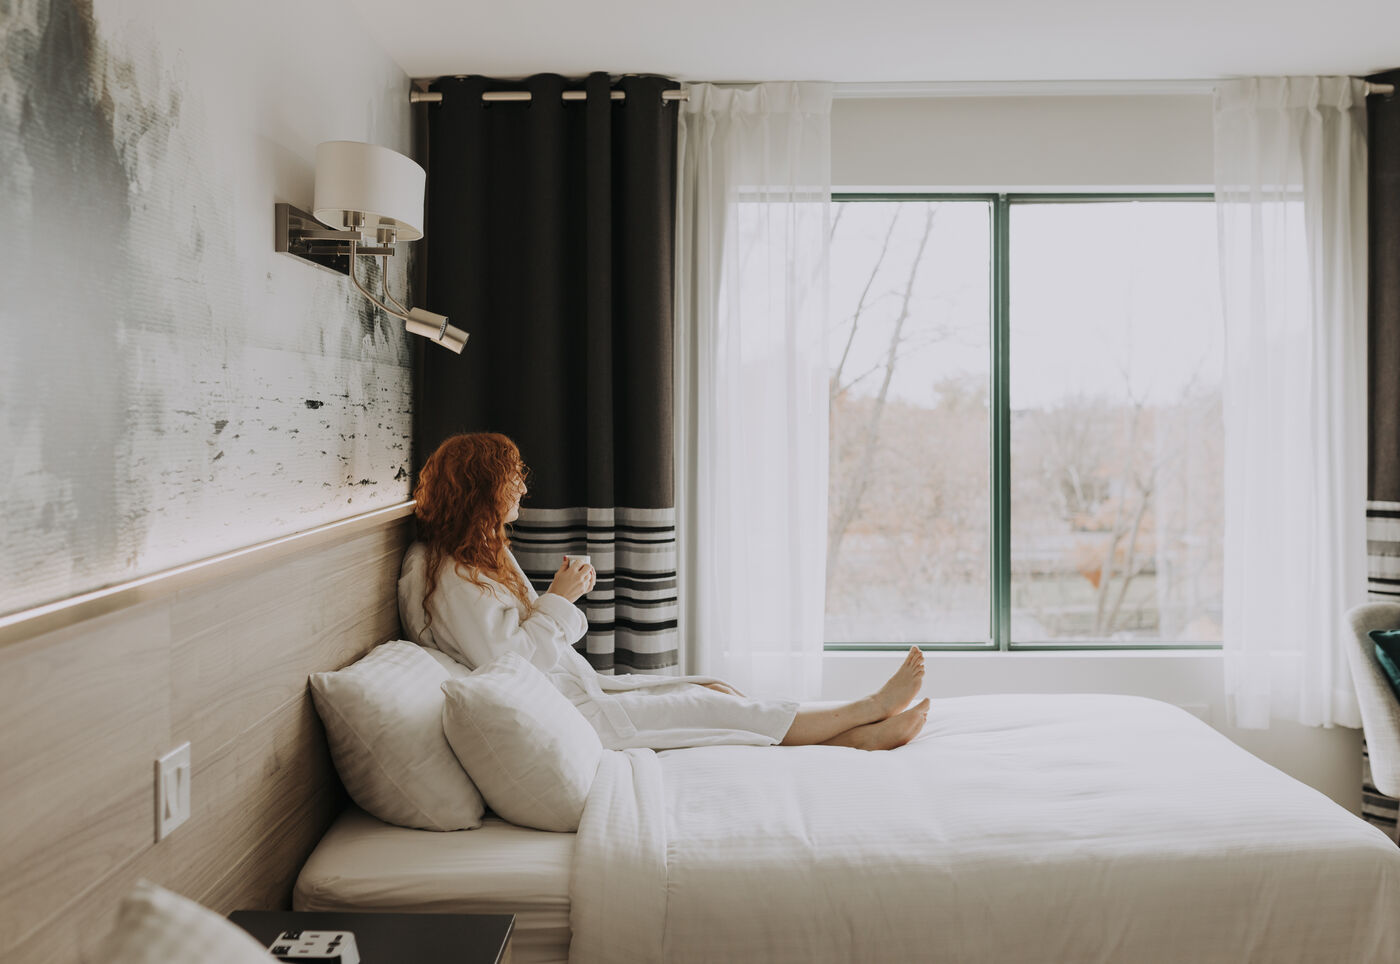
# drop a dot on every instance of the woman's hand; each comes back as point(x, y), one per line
point(722, 688)
point(574, 578)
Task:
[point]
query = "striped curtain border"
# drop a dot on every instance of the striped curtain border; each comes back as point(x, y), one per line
point(632, 611)
point(1383, 550)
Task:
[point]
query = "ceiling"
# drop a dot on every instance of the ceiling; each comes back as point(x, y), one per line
point(853, 41)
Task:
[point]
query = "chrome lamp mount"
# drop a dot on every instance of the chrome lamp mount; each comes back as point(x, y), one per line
point(356, 185)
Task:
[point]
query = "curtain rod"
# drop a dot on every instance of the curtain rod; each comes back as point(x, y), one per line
point(435, 97)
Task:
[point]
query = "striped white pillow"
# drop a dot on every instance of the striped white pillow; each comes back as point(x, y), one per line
point(531, 752)
point(383, 718)
point(155, 926)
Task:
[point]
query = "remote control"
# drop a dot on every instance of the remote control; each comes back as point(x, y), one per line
point(325, 947)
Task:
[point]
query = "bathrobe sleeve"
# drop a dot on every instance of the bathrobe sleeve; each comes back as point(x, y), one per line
point(479, 623)
point(475, 624)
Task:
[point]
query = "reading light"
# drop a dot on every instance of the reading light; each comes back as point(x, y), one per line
point(369, 198)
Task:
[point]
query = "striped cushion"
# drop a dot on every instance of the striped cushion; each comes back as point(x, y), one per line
point(155, 926)
point(383, 718)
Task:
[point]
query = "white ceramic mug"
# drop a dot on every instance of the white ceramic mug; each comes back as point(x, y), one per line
point(586, 560)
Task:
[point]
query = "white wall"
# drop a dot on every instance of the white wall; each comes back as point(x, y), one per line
point(170, 387)
point(1059, 143)
point(1021, 143)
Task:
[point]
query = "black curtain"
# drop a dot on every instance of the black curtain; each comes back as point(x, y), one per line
point(550, 238)
point(1383, 359)
point(1383, 123)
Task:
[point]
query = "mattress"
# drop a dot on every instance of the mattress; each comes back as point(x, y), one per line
point(499, 868)
point(1077, 829)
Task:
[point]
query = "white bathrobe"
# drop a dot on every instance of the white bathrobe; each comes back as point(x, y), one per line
point(474, 625)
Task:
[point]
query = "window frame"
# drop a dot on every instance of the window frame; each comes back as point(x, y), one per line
point(999, 624)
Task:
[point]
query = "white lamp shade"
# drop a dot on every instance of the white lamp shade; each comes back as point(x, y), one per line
point(383, 185)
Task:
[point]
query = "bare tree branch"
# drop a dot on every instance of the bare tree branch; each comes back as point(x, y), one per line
point(840, 210)
point(856, 491)
point(836, 387)
point(1117, 529)
point(1130, 563)
point(1144, 481)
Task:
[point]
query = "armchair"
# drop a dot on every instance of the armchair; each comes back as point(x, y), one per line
point(1380, 709)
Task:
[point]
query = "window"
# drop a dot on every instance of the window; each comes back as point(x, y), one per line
point(1026, 434)
point(909, 505)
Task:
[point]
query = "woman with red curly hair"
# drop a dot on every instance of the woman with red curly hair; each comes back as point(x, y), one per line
point(462, 592)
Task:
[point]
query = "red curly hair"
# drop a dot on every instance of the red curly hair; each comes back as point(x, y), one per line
point(464, 492)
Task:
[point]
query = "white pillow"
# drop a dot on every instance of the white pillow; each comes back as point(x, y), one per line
point(530, 751)
point(155, 926)
point(453, 667)
point(383, 718)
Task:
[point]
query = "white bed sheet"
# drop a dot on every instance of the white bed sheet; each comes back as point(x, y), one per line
point(364, 864)
point(1014, 829)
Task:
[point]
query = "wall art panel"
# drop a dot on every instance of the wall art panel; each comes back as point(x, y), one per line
point(170, 387)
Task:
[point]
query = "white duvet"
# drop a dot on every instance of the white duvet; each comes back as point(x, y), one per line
point(1015, 828)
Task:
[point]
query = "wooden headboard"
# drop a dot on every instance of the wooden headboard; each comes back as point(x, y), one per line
point(93, 690)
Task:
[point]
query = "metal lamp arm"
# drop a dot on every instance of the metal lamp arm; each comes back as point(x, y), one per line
point(402, 316)
point(384, 280)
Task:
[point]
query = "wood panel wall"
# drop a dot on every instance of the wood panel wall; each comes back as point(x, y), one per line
point(86, 709)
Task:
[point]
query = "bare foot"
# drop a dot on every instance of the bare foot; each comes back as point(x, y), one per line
point(887, 734)
point(901, 688)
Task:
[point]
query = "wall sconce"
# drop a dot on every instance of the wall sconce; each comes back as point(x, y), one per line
point(368, 198)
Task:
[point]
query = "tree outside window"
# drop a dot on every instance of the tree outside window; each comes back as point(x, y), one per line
point(1114, 365)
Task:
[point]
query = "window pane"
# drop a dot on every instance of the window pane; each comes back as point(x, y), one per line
point(1116, 432)
point(908, 544)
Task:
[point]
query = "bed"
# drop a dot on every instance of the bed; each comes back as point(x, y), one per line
point(365, 864)
point(1014, 828)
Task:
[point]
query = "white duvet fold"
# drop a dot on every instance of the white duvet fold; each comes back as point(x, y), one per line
point(1025, 828)
point(618, 906)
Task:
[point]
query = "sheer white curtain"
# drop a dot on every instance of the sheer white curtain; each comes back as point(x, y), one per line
point(754, 202)
point(1290, 171)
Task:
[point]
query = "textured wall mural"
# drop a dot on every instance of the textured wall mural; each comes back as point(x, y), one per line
point(171, 388)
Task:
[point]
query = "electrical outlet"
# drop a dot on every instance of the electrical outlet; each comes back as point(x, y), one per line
point(172, 790)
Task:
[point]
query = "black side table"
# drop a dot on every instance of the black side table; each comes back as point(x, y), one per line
point(396, 938)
